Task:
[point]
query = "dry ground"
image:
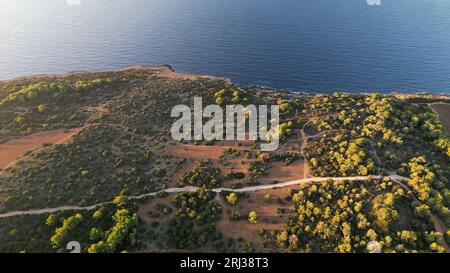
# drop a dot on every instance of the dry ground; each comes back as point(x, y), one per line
point(276, 171)
point(443, 112)
point(150, 206)
point(268, 214)
point(10, 151)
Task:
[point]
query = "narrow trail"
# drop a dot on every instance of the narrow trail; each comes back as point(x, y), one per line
point(439, 225)
point(432, 109)
point(375, 154)
point(437, 222)
point(305, 139)
point(302, 152)
point(192, 189)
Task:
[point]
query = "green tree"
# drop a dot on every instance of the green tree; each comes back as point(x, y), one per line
point(95, 234)
point(100, 247)
point(51, 220)
point(253, 217)
point(61, 233)
point(232, 198)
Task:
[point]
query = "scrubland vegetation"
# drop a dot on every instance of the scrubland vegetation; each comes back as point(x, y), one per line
point(374, 135)
point(121, 150)
point(376, 215)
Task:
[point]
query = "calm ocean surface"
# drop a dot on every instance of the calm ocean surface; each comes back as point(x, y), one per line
point(301, 45)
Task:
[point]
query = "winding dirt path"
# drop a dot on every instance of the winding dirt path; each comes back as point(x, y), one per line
point(437, 222)
point(302, 152)
point(439, 225)
point(192, 189)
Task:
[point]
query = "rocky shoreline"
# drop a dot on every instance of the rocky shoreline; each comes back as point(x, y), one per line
point(166, 70)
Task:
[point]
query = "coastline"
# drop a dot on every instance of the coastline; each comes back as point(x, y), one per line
point(162, 69)
point(167, 70)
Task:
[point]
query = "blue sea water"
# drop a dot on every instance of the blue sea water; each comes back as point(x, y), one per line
point(300, 45)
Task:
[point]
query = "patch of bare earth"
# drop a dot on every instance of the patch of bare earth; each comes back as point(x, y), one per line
point(276, 171)
point(270, 214)
point(443, 112)
point(194, 151)
point(97, 111)
point(187, 166)
point(10, 151)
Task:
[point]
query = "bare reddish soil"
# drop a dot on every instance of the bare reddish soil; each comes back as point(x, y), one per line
point(268, 216)
point(276, 171)
point(13, 149)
